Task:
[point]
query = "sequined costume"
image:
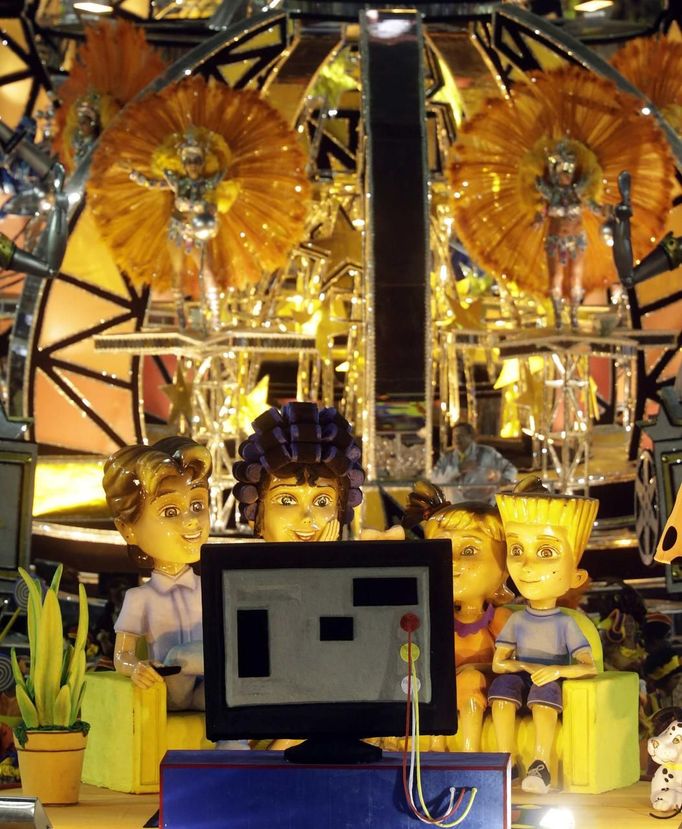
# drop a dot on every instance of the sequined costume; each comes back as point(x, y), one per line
point(194, 219)
point(563, 203)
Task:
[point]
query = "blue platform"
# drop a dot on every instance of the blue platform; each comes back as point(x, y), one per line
point(260, 790)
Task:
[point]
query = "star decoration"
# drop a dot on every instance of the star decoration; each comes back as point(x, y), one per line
point(343, 247)
point(250, 406)
point(179, 392)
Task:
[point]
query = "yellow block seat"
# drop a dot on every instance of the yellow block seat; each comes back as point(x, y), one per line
point(596, 745)
point(130, 731)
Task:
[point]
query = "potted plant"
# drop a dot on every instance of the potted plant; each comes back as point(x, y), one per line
point(51, 738)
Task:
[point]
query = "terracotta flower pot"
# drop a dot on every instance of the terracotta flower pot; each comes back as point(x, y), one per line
point(50, 765)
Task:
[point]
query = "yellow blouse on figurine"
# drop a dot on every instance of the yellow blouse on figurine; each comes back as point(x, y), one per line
point(158, 497)
point(478, 577)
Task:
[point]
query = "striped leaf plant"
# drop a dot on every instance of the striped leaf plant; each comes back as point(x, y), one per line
point(50, 695)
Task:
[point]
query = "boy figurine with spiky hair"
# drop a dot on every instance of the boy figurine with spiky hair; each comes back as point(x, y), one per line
point(539, 646)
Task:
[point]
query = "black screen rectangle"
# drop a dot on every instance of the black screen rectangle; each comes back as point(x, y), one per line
point(377, 592)
point(253, 643)
point(336, 628)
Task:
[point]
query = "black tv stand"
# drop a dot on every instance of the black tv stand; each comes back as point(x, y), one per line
point(333, 751)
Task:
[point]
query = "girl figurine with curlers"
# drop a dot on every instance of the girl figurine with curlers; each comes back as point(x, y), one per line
point(299, 476)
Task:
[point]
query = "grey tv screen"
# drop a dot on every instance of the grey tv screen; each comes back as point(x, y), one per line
point(302, 640)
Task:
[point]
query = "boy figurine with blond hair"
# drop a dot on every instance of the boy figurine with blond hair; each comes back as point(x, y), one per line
point(539, 646)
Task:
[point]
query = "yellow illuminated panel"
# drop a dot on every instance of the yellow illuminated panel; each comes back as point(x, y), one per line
point(66, 486)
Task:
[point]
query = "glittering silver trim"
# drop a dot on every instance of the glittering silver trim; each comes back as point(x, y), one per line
point(197, 345)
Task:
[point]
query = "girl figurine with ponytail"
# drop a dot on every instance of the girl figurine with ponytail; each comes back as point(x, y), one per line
point(299, 476)
point(478, 577)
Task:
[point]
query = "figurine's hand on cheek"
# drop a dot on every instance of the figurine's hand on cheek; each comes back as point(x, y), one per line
point(144, 676)
point(331, 531)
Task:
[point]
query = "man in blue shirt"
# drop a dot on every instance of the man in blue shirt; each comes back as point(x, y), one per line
point(471, 472)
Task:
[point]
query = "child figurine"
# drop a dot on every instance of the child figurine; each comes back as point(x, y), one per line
point(299, 478)
point(478, 577)
point(540, 645)
point(158, 496)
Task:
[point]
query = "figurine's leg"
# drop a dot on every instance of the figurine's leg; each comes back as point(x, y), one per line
point(545, 704)
point(177, 258)
point(577, 293)
point(210, 294)
point(544, 720)
point(556, 293)
point(471, 686)
point(471, 725)
point(506, 697)
point(504, 723)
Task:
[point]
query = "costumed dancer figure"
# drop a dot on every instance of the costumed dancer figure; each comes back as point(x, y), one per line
point(113, 64)
point(478, 577)
point(563, 190)
point(539, 646)
point(88, 125)
point(300, 476)
point(183, 162)
point(533, 176)
point(158, 496)
point(199, 182)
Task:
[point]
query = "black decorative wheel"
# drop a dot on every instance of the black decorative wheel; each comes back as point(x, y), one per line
point(646, 507)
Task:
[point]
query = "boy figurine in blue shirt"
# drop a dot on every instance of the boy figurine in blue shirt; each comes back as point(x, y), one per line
point(546, 536)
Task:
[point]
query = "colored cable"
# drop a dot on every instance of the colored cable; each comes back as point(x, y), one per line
point(412, 707)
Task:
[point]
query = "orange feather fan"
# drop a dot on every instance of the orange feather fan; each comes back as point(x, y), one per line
point(654, 66)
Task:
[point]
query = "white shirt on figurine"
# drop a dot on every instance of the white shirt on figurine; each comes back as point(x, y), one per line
point(166, 611)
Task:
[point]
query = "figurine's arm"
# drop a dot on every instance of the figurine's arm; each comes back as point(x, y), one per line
point(164, 183)
point(126, 662)
point(582, 667)
point(213, 181)
point(505, 663)
point(543, 188)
